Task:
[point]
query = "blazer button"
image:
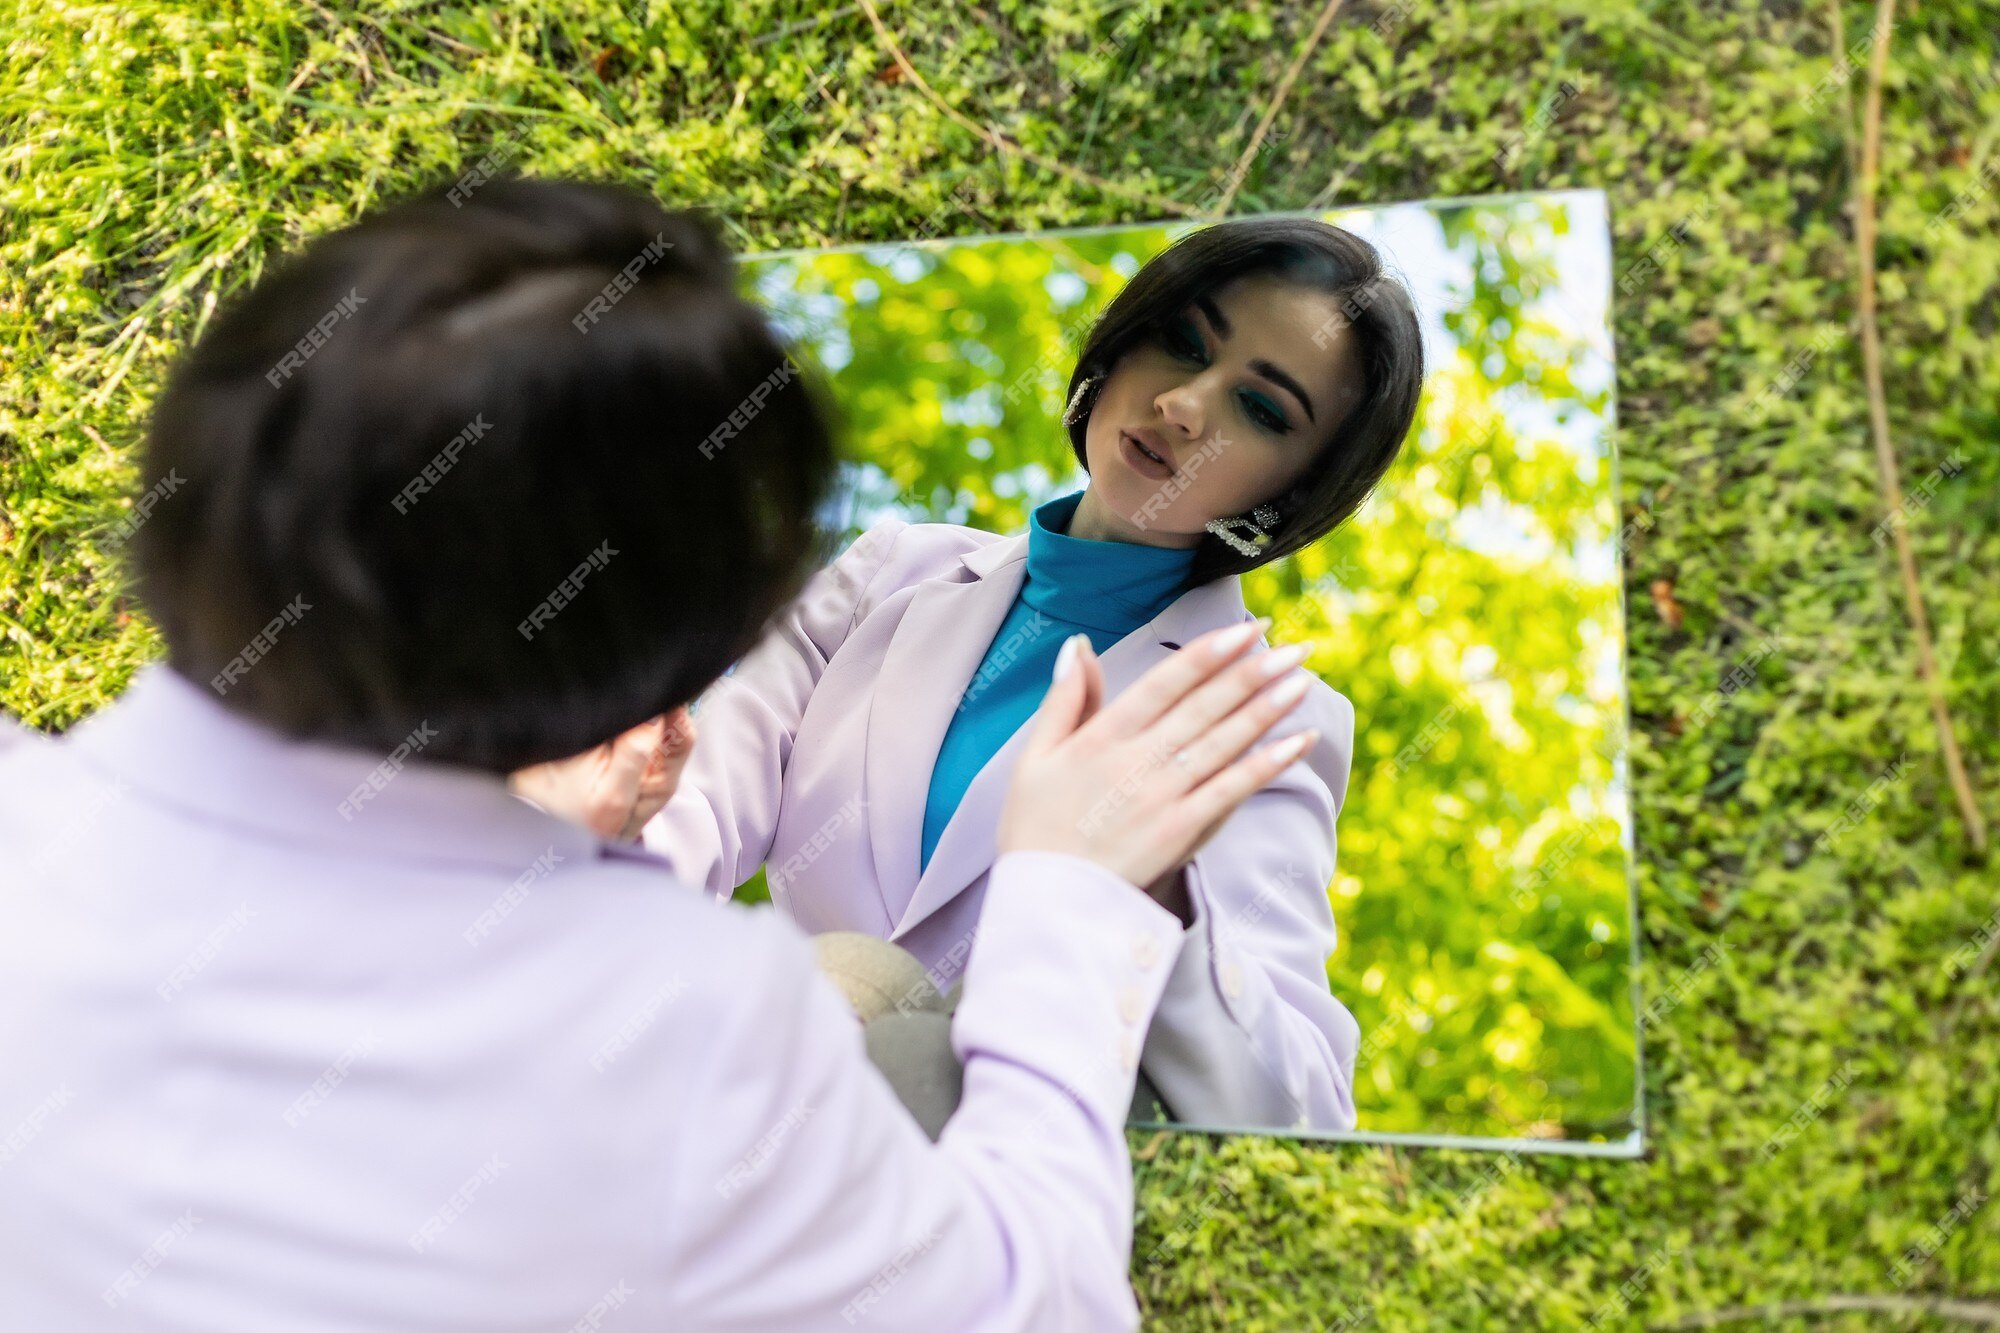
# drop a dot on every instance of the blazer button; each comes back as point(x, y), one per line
point(1128, 1053)
point(1232, 978)
point(1131, 1005)
point(1147, 951)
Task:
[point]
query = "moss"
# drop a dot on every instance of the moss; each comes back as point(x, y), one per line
point(155, 156)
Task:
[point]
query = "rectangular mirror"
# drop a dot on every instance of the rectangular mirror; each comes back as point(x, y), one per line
point(1472, 612)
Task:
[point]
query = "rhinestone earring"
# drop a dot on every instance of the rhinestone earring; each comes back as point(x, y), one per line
point(1261, 520)
point(1079, 402)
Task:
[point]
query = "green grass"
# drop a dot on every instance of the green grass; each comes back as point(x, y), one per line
point(154, 156)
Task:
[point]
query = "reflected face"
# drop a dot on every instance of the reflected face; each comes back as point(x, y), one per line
point(1235, 396)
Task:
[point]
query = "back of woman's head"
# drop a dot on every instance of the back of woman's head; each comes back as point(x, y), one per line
point(523, 467)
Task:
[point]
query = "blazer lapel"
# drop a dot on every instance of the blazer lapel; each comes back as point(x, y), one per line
point(965, 849)
point(937, 645)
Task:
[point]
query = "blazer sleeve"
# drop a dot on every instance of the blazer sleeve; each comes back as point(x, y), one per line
point(811, 1200)
point(1249, 1034)
point(717, 828)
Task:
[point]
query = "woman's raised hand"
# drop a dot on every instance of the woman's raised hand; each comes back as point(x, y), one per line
point(1138, 786)
point(614, 788)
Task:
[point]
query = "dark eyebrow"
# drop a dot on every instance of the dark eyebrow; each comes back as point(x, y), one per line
point(1270, 372)
point(1286, 382)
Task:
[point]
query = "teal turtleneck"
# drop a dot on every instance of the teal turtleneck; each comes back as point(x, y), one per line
point(1105, 589)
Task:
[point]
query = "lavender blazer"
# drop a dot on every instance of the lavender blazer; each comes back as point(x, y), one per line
point(272, 1060)
point(815, 755)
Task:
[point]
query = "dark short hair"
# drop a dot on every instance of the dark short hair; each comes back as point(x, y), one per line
point(1383, 319)
point(523, 466)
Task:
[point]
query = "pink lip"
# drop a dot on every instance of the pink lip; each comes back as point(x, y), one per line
point(1130, 440)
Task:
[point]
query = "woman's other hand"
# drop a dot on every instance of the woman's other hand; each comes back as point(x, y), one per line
point(1104, 783)
point(616, 787)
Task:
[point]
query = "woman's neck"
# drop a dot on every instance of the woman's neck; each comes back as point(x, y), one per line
point(1093, 523)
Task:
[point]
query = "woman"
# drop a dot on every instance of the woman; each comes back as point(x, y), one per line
point(1235, 403)
point(314, 1026)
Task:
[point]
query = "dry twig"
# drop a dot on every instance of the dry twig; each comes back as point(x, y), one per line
point(1242, 167)
point(1878, 421)
point(1000, 142)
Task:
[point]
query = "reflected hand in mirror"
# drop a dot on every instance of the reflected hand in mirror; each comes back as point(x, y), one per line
point(614, 788)
point(1139, 786)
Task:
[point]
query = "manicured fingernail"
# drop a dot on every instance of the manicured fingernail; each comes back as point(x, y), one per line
point(1287, 693)
point(1293, 746)
point(1280, 660)
point(1067, 657)
point(1236, 639)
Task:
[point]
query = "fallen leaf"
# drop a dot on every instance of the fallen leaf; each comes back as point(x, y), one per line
point(1664, 603)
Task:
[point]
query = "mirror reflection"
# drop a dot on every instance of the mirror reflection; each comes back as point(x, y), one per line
point(1423, 928)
